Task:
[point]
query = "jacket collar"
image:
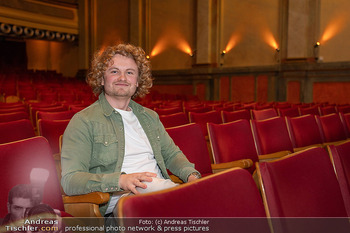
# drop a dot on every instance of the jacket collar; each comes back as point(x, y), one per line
point(108, 109)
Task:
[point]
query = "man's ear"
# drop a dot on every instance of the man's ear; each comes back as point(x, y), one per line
point(102, 81)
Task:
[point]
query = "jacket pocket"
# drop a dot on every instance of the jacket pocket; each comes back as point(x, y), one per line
point(105, 149)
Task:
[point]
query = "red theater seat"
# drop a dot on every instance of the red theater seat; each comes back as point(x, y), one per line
point(64, 115)
point(304, 131)
point(291, 112)
point(16, 130)
point(264, 114)
point(52, 130)
point(313, 110)
point(272, 137)
point(203, 118)
point(232, 193)
point(340, 155)
point(13, 116)
point(235, 115)
point(17, 161)
point(173, 120)
point(167, 111)
point(302, 184)
point(333, 129)
point(232, 141)
point(190, 139)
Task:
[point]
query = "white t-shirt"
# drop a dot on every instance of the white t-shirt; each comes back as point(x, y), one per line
point(138, 151)
point(138, 157)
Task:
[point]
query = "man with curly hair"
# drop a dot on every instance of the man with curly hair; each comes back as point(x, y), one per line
point(116, 144)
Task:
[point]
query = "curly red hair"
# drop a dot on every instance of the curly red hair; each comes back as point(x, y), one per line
point(103, 58)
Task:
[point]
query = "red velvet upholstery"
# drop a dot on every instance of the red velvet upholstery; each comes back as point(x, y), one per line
point(264, 114)
point(52, 130)
point(271, 135)
point(291, 112)
point(313, 110)
point(16, 130)
point(203, 118)
point(346, 121)
point(198, 109)
point(55, 115)
point(344, 108)
point(224, 108)
point(48, 97)
point(332, 127)
point(340, 155)
point(13, 109)
point(76, 107)
point(232, 141)
point(11, 105)
point(67, 97)
point(235, 115)
point(27, 94)
point(17, 159)
point(302, 185)
point(34, 110)
point(232, 193)
point(304, 131)
point(190, 139)
point(173, 120)
point(167, 111)
point(327, 110)
point(172, 104)
point(43, 105)
point(282, 105)
point(13, 116)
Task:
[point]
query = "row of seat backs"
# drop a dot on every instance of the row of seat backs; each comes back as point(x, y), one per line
point(216, 117)
point(36, 111)
point(302, 184)
point(22, 129)
point(230, 141)
point(239, 139)
point(206, 113)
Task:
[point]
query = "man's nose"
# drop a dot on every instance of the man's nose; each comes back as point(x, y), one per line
point(122, 76)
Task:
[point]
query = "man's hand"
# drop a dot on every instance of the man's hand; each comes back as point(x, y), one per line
point(191, 178)
point(129, 182)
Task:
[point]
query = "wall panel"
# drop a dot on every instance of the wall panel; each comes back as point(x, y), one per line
point(243, 88)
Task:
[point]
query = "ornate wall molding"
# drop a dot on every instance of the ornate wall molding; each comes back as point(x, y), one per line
point(18, 31)
point(39, 20)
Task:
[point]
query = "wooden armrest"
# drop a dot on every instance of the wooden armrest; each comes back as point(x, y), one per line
point(306, 147)
point(243, 163)
point(336, 143)
point(273, 156)
point(94, 198)
point(176, 179)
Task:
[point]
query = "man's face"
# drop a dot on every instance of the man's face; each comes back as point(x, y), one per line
point(18, 207)
point(121, 78)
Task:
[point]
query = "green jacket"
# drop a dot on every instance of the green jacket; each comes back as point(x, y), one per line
point(93, 149)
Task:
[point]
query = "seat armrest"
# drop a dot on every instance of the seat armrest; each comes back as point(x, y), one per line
point(297, 149)
point(176, 179)
point(94, 198)
point(243, 163)
point(272, 156)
